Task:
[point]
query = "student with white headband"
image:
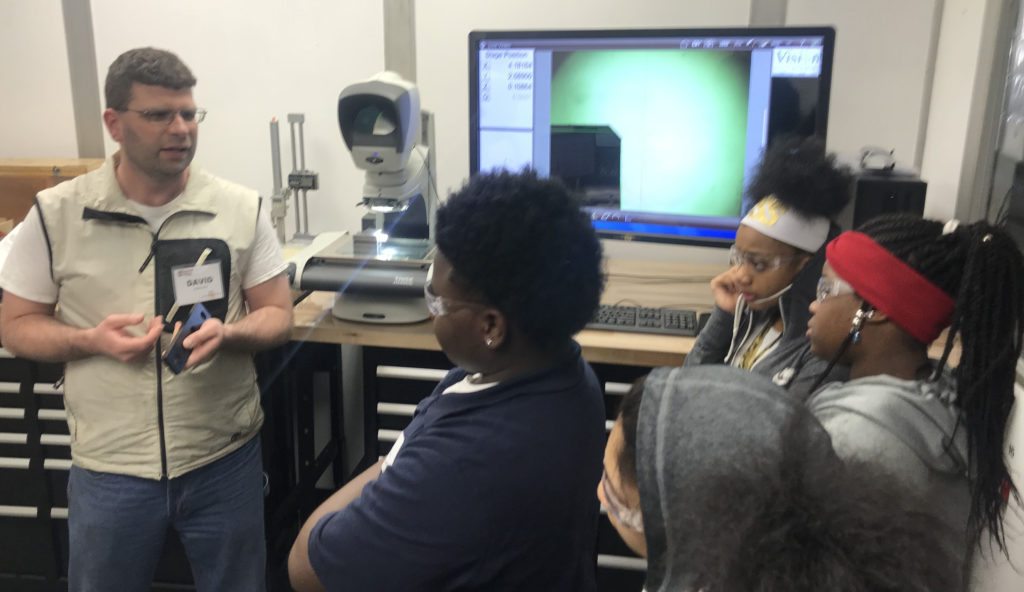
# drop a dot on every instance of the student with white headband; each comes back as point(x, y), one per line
point(760, 313)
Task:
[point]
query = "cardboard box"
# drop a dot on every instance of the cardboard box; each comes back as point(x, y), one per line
point(22, 178)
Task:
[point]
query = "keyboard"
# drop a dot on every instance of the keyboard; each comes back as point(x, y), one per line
point(640, 319)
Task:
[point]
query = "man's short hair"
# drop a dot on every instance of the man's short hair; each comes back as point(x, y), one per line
point(145, 65)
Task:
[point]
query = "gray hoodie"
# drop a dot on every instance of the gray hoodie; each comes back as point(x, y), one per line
point(694, 424)
point(908, 427)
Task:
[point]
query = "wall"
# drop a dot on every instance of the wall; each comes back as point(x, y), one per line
point(260, 59)
point(962, 85)
point(37, 121)
point(880, 72)
point(256, 60)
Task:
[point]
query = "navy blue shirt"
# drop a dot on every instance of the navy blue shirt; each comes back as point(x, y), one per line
point(491, 490)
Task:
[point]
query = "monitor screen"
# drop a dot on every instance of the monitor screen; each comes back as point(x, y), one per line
point(660, 131)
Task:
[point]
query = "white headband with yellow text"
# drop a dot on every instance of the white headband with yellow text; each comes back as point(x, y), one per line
point(774, 219)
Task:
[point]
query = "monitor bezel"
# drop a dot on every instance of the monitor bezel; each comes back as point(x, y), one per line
point(827, 33)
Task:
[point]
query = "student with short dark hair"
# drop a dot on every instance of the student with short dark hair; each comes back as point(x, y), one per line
point(887, 292)
point(490, 487)
point(727, 484)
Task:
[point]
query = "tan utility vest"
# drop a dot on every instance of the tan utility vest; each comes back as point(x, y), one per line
point(140, 418)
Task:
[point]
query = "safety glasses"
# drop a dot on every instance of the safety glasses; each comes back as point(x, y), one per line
point(631, 518)
point(829, 287)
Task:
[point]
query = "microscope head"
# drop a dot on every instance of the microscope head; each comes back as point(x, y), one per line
point(380, 121)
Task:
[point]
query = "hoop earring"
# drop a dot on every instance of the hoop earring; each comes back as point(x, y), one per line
point(858, 321)
point(488, 341)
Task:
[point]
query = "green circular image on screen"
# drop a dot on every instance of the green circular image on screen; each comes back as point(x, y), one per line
point(680, 117)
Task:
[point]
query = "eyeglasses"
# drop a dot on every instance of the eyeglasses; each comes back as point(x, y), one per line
point(167, 116)
point(631, 518)
point(759, 263)
point(439, 305)
point(829, 287)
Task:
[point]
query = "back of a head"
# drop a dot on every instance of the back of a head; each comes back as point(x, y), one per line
point(740, 491)
point(841, 528)
point(800, 174)
point(981, 268)
point(524, 244)
point(144, 65)
point(697, 425)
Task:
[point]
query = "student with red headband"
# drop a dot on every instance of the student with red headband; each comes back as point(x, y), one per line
point(885, 294)
point(760, 314)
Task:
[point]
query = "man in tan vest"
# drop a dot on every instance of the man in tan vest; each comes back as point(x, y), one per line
point(106, 266)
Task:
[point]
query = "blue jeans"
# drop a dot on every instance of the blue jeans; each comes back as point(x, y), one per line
point(117, 525)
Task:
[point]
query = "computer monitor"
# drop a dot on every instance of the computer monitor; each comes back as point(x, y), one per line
point(660, 131)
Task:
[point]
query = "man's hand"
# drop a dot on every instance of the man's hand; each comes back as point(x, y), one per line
point(31, 331)
point(267, 324)
point(110, 338)
point(726, 289)
point(204, 341)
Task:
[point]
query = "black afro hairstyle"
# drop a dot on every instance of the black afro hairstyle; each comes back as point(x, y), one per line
point(524, 245)
point(799, 173)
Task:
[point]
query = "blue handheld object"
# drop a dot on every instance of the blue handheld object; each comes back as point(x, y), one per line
point(177, 355)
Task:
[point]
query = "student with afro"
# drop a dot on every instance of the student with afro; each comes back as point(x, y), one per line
point(491, 486)
point(760, 314)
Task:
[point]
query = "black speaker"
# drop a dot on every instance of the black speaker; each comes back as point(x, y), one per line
point(877, 194)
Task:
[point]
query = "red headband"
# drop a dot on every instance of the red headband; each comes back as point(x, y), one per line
point(893, 287)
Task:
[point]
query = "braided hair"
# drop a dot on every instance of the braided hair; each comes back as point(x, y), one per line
point(981, 268)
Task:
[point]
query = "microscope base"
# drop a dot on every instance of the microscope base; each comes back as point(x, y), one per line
point(380, 308)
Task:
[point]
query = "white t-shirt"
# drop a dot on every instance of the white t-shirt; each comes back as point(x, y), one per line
point(469, 384)
point(26, 272)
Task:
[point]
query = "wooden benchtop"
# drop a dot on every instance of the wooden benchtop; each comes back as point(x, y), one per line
point(642, 283)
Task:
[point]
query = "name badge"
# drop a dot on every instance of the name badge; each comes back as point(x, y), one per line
point(197, 283)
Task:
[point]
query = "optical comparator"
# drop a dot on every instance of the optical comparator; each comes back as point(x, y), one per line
point(379, 273)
